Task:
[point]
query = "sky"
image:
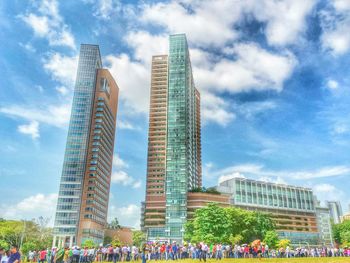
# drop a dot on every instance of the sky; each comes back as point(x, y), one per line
point(274, 78)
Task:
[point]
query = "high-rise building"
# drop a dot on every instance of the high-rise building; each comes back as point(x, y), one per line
point(181, 161)
point(154, 206)
point(85, 182)
point(174, 144)
point(335, 210)
point(324, 226)
point(291, 207)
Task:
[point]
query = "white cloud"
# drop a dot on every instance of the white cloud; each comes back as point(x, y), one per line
point(119, 162)
point(146, 45)
point(215, 109)
point(128, 215)
point(46, 22)
point(256, 170)
point(198, 19)
point(31, 207)
point(57, 116)
point(125, 125)
point(133, 80)
point(327, 191)
point(62, 90)
point(31, 129)
point(62, 68)
point(230, 176)
point(122, 177)
point(335, 23)
point(27, 47)
point(105, 9)
point(286, 20)
point(253, 69)
point(250, 109)
point(332, 84)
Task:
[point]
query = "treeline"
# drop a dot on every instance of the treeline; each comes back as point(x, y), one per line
point(215, 224)
point(29, 235)
point(341, 233)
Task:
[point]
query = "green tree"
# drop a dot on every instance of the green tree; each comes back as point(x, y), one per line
point(211, 224)
point(88, 243)
point(4, 244)
point(107, 240)
point(235, 239)
point(339, 231)
point(345, 238)
point(283, 243)
point(11, 231)
point(216, 224)
point(271, 238)
point(29, 246)
point(138, 237)
point(116, 242)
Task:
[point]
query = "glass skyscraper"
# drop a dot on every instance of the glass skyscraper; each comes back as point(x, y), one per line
point(181, 141)
point(174, 145)
point(87, 165)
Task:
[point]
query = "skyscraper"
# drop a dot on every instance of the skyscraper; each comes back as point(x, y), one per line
point(335, 210)
point(85, 182)
point(174, 145)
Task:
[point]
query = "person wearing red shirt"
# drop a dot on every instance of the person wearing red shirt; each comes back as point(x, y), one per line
point(42, 255)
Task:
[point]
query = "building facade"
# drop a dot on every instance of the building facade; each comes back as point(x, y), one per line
point(324, 226)
point(335, 210)
point(174, 143)
point(85, 182)
point(291, 207)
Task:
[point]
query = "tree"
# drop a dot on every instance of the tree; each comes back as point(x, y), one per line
point(11, 231)
point(4, 244)
point(107, 240)
point(345, 238)
point(138, 237)
point(283, 243)
point(271, 238)
point(211, 224)
point(216, 224)
point(235, 239)
point(339, 232)
point(29, 246)
point(88, 243)
point(116, 242)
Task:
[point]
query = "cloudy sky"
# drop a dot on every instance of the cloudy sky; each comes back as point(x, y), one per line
point(273, 76)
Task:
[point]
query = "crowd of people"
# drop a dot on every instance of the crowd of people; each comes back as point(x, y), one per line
point(10, 256)
point(164, 251)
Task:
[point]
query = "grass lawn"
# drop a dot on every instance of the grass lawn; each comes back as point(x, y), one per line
point(267, 260)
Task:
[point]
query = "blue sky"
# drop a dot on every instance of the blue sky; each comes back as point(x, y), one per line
point(273, 76)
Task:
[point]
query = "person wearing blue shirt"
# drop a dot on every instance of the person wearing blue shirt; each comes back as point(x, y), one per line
point(15, 255)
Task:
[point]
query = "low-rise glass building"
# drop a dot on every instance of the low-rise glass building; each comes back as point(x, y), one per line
point(291, 207)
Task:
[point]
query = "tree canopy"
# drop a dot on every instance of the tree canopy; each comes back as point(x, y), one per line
point(34, 233)
point(217, 224)
point(341, 233)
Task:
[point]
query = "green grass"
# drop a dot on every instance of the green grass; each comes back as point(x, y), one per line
point(267, 260)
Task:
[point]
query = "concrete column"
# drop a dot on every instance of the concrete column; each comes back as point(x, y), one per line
point(70, 241)
point(54, 241)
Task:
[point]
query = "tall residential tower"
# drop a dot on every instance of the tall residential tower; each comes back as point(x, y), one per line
point(174, 144)
point(85, 182)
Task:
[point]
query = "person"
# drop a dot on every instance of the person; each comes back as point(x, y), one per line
point(144, 251)
point(15, 255)
point(42, 255)
point(5, 257)
point(59, 256)
point(66, 255)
